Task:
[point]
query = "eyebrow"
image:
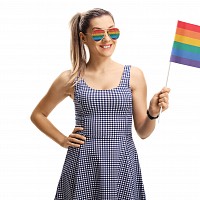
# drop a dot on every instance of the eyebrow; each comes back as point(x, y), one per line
point(101, 28)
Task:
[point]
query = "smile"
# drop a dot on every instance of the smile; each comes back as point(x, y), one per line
point(105, 46)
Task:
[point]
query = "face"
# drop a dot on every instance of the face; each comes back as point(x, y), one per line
point(101, 38)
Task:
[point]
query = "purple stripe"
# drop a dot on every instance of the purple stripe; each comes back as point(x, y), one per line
point(185, 61)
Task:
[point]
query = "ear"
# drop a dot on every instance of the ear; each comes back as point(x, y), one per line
point(82, 37)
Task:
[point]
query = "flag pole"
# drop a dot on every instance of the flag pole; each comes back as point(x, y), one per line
point(165, 86)
point(168, 74)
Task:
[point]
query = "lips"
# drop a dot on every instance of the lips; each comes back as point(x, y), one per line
point(106, 46)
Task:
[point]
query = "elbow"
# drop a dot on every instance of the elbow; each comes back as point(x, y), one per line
point(36, 116)
point(143, 135)
point(144, 132)
point(32, 117)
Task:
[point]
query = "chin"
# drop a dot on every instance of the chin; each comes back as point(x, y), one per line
point(107, 54)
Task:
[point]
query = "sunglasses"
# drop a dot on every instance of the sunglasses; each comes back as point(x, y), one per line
point(99, 34)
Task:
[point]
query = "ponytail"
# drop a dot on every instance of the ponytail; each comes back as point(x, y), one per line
point(77, 49)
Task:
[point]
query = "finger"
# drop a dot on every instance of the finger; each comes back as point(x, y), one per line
point(165, 89)
point(164, 95)
point(78, 136)
point(75, 134)
point(163, 105)
point(77, 141)
point(164, 99)
point(77, 129)
point(74, 144)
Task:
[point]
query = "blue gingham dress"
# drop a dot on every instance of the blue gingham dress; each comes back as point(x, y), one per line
point(106, 166)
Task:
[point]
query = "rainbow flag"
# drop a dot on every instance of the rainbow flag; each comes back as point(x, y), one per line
point(186, 47)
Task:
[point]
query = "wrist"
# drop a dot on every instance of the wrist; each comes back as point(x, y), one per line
point(152, 116)
point(61, 140)
point(154, 112)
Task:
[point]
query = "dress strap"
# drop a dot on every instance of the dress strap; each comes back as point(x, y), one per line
point(126, 76)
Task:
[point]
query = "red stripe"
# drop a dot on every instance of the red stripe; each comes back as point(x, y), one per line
point(191, 27)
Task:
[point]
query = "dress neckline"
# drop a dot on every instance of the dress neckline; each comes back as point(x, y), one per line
point(114, 88)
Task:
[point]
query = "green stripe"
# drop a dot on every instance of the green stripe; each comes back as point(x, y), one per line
point(186, 47)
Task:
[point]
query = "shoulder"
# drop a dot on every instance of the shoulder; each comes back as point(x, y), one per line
point(64, 76)
point(61, 82)
point(136, 77)
point(135, 71)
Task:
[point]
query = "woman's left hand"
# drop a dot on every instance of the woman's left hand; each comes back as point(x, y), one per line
point(161, 99)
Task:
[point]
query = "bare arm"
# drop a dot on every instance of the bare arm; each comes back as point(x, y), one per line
point(143, 125)
point(57, 93)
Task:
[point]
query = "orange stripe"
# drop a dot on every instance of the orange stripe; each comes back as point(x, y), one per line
point(188, 33)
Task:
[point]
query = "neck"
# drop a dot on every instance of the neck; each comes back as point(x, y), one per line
point(99, 64)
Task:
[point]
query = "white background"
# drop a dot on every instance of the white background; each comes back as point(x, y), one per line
point(34, 50)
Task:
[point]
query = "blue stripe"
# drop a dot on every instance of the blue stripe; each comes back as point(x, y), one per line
point(97, 38)
point(186, 54)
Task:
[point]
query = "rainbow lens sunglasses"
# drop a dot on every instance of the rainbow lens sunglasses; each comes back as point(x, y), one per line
point(99, 34)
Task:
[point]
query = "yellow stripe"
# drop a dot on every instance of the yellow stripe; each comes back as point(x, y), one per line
point(187, 40)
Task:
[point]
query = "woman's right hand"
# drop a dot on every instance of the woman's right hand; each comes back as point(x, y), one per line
point(74, 139)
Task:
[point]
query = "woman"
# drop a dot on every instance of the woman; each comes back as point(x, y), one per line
point(101, 161)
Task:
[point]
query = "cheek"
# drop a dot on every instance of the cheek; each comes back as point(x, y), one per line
point(115, 42)
point(93, 47)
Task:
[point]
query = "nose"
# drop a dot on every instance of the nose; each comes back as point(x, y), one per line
point(106, 37)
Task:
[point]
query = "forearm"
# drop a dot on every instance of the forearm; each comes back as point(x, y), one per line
point(45, 126)
point(145, 129)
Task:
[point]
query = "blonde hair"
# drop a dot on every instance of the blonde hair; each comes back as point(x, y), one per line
point(80, 22)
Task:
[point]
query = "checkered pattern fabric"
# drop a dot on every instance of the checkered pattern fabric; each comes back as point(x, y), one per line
point(106, 167)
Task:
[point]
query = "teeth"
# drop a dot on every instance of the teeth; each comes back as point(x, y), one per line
point(105, 47)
